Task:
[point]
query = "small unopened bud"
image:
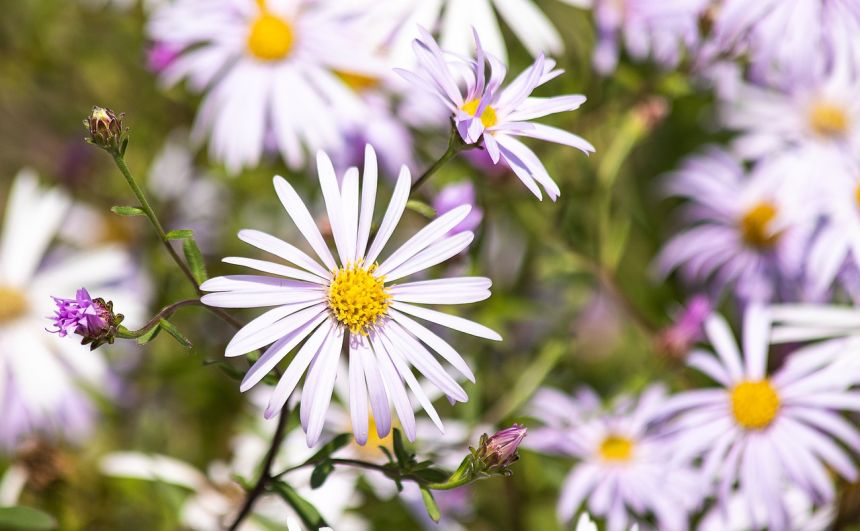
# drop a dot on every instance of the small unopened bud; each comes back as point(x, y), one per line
point(498, 451)
point(92, 319)
point(676, 340)
point(106, 130)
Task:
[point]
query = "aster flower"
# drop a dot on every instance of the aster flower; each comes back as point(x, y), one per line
point(353, 298)
point(661, 30)
point(92, 319)
point(499, 450)
point(817, 110)
point(40, 372)
point(789, 35)
point(486, 114)
point(268, 71)
point(624, 469)
point(765, 431)
point(744, 230)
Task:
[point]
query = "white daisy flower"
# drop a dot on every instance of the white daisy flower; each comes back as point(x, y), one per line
point(625, 470)
point(455, 21)
point(804, 514)
point(40, 372)
point(267, 67)
point(487, 114)
point(766, 431)
point(744, 230)
point(816, 110)
point(585, 523)
point(353, 297)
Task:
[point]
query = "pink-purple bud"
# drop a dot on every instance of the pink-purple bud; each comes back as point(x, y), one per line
point(161, 55)
point(677, 339)
point(454, 195)
point(92, 319)
point(499, 450)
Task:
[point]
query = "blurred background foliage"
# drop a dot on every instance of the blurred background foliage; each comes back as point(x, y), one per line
point(574, 296)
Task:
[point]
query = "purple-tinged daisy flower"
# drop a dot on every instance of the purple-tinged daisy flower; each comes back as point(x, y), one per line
point(817, 110)
point(762, 431)
point(40, 372)
point(487, 114)
point(625, 470)
point(743, 230)
point(789, 36)
point(660, 30)
point(352, 297)
point(267, 67)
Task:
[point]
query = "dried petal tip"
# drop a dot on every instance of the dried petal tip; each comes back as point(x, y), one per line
point(499, 451)
point(106, 130)
point(92, 319)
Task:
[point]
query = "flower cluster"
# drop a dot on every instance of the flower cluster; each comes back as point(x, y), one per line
point(92, 319)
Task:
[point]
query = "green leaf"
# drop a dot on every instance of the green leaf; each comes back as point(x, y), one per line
point(127, 211)
point(306, 511)
point(320, 473)
point(19, 517)
point(331, 447)
point(227, 368)
point(422, 208)
point(430, 504)
point(179, 234)
point(403, 456)
point(171, 329)
point(432, 475)
point(149, 336)
point(195, 260)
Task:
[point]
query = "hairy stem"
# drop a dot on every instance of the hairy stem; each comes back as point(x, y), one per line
point(265, 472)
point(455, 145)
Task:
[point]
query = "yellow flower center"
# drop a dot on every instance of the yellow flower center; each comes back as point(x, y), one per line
point(754, 404)
point(357, 82)
point(857, 195)
point(828, 119)
point(755, 226)
point(13, 304)
point(488, 116)
point(270, 38)
point(357, 298)
point(370, 449)
point(616, 448)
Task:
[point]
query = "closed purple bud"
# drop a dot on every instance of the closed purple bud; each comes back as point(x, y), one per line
point(677, 339)
point(499, 450)
point(454, 195)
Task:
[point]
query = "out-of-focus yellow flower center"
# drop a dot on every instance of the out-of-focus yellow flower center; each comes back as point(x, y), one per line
point(754, 404)
point(370, 449)
point(271, 37)
point(357, 298)
point(616, 448)
point(857, 195)
point(828, 119)
point(488, 115)
point(755, 226)
point(13, 304)
point(357, 82)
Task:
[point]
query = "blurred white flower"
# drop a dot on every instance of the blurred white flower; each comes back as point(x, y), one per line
point(625, 468)
point(803, 514)
point(764, 431)
point(267, 68)
point(485, 113)
point(40, 373)
point(745, 231)
point(326, 304)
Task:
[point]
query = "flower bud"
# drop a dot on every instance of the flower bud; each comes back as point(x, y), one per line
point(106, 130)
point(499, 451)
point(455, 195)
point(92, 319)
point(676, 340)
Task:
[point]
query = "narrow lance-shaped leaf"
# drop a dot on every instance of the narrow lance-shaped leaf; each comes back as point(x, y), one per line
point(195, 260)
point(309, 514)
point(430, 504)
point(127, 211)
point(171, 329)
point(179, 234)
point(20, 517)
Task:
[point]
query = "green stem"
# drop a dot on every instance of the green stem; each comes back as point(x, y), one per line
point(462, 476)
point(153, 219)
point(455, 146)
point(164, 313)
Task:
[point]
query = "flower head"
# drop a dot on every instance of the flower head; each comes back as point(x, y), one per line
point(488, 115)
point(355, 296)
point(92, 319)
point(105, 129)
point(499, 451)
point(677, 339)
point(766, 431)
point(454, 195)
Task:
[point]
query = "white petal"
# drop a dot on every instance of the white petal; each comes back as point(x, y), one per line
point(297, 210)
point(424, 361)
point(333, 205)
point(357, 397)
point(368, 199)
point(284, 250)
point(435, 342)
point(349, 203)
point(457, 323)
point(275, 269)
point(394, 387)
point(432, 255)
point(378, 397)
point(259, 332)
point(259, 299)
point(756, 332)
point(324, 386)
point(724, 343)
point(392, 215)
